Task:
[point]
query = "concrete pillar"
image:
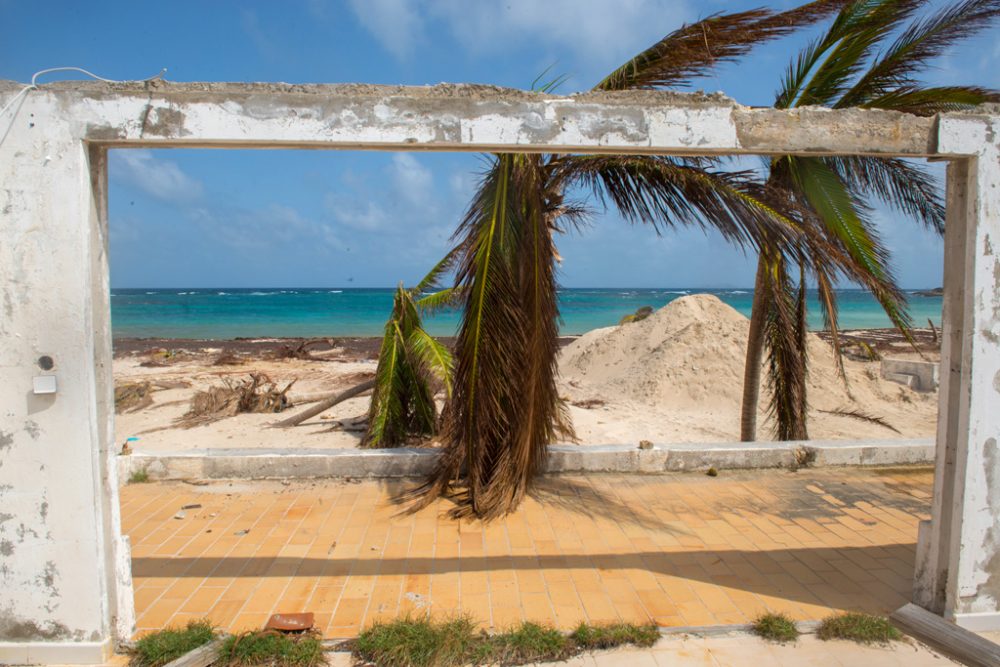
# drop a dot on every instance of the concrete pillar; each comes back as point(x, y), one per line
point(958, 569)
point(65, 587)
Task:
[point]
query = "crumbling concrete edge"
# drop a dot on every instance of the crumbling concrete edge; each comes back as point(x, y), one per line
point(417, 462)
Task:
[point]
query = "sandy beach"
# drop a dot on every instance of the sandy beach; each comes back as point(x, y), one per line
point(674, 377)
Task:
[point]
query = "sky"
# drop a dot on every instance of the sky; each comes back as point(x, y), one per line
point(204, 218)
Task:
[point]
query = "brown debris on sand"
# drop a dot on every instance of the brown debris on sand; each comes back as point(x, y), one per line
point(133, 396)
point(256, 393)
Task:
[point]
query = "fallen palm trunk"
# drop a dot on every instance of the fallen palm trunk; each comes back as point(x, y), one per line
point(327, 403)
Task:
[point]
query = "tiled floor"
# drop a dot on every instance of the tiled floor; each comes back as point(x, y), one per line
point(680, 550)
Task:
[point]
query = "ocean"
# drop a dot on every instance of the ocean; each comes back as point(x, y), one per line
point(221, 313)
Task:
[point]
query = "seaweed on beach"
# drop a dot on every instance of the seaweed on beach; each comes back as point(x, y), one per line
point(256, 393)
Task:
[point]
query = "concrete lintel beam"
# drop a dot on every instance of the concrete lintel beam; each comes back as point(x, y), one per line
point(465, 117)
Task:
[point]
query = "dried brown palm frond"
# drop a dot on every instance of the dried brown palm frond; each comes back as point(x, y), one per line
point(861, 415)
point(255, 393)
point(786, 364)
point(694, 49)
point(133, 396)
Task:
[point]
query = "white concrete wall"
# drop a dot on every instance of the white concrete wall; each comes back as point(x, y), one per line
point(58, 500)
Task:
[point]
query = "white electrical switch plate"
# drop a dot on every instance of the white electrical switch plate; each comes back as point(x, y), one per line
point(44, 384)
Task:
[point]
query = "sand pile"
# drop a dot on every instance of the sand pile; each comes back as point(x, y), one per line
point(688, 357)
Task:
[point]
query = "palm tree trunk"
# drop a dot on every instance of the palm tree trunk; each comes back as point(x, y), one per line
point(755, 351)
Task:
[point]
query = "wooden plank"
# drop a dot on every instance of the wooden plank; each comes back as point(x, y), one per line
point(203, 656)
point(954, 641)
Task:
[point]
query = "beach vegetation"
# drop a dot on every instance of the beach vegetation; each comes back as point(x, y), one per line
point(505, 409)
point(858, 627)
point(270, 648)
point(775, 627)
point(870, 57)
point(140, 476)
point(410, 642)
point(159, 648)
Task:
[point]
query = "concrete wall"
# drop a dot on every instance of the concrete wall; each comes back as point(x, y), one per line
point(65, 587)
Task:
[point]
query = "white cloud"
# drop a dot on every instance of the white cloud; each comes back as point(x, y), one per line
point(156, 177)
point(396, 24)
point(357, 213)
point(412, 181)
point(593, 30)
point(257, 229)
point(253, 29)
point(590, 29)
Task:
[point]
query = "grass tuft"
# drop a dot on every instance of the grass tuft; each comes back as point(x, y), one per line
point(271, 649)
point(140, 476)
point(861, 628)
point(416, 643)
point(776, 628)
point(424, 643)
point(590, 637)
point(167, 645)
point(527, 643)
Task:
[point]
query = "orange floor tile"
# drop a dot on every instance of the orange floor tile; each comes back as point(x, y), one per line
point(679, 550)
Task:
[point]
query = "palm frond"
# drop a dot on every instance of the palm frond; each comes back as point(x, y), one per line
point(428, 304)
point(432, 356)
point(824, 69)
point(664, 193)
point(899, 183)
point(844, 217)
point(786, 363)
point(921, 101)
point(695, 49)
point(402, 402)
point(433, 278)
point(861, 415)
point(917, 45)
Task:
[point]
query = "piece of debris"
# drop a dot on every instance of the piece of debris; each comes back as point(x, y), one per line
point(194, 506)
point(712, 472)
point(418, 600)
point(241, 533)
point(861, 415)
point(126, 448)
point(589, 403)
point(291, 622)
point(180, 515)
point(133, 396)
point(256, 393)
point(638, 316)
point(228, 359)
point(645, 444)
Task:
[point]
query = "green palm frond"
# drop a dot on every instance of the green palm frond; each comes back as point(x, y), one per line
point(428, 304)
point(916, 46)
point(432, 280)
point(843, 217)
point(824, 69)
point(695, 49)
point(902, 184)
point(921, 101)
point(432, 356)
point(402, 402)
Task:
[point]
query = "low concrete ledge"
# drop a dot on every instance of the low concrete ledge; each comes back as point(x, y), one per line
point(415, 462)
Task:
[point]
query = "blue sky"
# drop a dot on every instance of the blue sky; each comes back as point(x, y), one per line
point(185, 218)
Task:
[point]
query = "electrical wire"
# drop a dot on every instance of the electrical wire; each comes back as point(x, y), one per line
point(34, 86)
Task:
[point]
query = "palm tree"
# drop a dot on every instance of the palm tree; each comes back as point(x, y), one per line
point(505, 408)
point(840, 70)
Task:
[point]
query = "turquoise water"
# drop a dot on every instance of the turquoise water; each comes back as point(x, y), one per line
point(220, 313)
